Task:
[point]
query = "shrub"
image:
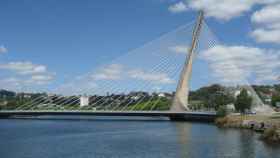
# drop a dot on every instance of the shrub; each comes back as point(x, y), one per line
point(271, 135)
point(222, 111)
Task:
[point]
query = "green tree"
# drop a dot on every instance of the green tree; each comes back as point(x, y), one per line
point(277, 87)
point(212, 96)
point(243, 101)
point(275, 98)
point(221, 99)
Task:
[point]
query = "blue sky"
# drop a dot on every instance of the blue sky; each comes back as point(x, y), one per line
point(67, 39)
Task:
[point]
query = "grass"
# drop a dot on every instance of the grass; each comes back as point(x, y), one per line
point(155, 104)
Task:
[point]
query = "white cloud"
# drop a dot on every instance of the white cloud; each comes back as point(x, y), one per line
point(117, 72)
point(111, 72)
point(11, 83)
point(18, 83)
point(24, 68)
point(161, 78)
point(3, 49)
point(28, 72)
point(178, 7)
point(235, 64)
point(223, 10)
point(12, 80)
point(268, 16)
point(220, 9)
point(266, 35)
point(268, 21)
point(41, 79)
point(179, 49)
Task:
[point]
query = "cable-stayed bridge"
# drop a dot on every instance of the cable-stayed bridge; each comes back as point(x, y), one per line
point(139, 83)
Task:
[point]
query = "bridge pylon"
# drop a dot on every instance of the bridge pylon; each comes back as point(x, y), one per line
point(180, 100)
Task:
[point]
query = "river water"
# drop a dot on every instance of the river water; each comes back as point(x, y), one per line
point(124, 138)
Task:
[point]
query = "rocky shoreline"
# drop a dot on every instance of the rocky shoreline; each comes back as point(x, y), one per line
point(269, 128)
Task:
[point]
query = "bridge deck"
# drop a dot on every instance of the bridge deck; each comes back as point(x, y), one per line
point(199, 116)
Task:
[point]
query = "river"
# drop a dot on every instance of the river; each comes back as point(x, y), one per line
point(126, 138)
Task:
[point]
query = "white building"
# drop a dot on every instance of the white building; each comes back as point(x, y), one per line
point(84, 101)
point(230, 107)
point(161, 95)
point(135, 97)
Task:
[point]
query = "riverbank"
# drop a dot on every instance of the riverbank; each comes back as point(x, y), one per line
point(267, 125)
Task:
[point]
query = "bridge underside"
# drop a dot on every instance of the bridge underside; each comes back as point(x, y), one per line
point(174, 116)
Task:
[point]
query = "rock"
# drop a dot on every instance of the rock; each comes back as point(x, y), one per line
point(249, 124)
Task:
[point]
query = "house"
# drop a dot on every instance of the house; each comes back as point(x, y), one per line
point(230, 107)
point(161, 94)
point(277, 104)
point(84, 101)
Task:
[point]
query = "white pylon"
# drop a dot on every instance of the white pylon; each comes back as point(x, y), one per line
point(180, 100)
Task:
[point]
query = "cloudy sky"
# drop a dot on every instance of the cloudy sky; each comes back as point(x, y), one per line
point(49, 44)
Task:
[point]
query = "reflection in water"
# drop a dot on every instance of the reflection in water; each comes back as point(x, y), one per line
point(247, 144)
point(183, 133)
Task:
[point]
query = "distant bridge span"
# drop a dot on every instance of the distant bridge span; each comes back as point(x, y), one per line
point(175, 116)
